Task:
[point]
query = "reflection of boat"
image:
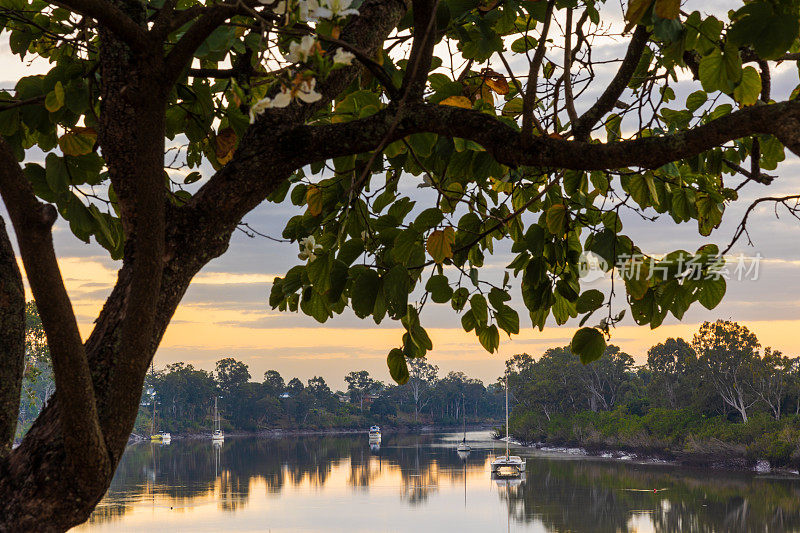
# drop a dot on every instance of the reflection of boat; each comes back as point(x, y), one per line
point(375, 446)
point(463, 454)
point(374, 433)
point(463, 447)
point(217, 435)
point(508, 465)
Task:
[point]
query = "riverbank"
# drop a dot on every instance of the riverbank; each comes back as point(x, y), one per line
point(676, 436)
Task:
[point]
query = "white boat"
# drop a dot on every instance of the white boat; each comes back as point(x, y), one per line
point(217, 435)
point(508, 466)
point(374, 433)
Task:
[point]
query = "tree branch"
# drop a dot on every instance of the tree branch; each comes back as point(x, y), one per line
point(113, 18)
point(32, 222)
point(584, 125)
point(529, 98)
point(419, 60)
point(12, 340)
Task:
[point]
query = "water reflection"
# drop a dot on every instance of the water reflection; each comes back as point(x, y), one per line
point(420, 483)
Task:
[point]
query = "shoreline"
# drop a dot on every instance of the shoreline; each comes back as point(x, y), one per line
point(278, 432)
point(689, 460)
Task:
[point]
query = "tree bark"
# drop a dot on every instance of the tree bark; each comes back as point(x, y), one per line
point(12, 341)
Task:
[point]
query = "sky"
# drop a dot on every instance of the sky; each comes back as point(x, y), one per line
point(225, 311)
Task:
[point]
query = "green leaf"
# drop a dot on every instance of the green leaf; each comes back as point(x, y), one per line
point(77, 143)
point(428, 219)
point(720, 70)
point(589, 301)
point(556, 219)
point(770, 33)
point(489, 338)
point(398, 369)
point(711, 292)
point(507, 319)
point(363, 293)
point(395, 288)
point(440, 289)
point(695, 100)
point(749, 88)
point(588, 344)
point(479, 308)
point(55, 98)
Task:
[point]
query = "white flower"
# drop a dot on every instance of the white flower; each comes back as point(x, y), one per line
point(309, 249)
point(283, 98)
point(300, 52)
point(343, 57)
point(331, 9)
point(259, 107)
point(306, 92)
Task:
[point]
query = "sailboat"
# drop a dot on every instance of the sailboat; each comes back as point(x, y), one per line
point(217, 435)
point(508, 465)
point(162, 437)
point(463, 447)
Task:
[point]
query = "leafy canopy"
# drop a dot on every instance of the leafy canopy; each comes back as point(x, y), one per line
point(368, 243)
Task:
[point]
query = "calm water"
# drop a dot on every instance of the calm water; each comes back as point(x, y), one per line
point(418, 483)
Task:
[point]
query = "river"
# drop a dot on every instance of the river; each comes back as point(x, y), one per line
point(418, 483)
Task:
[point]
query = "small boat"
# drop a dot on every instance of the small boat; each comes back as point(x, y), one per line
point(162, 437)
point(217, 435)
point(374, 433)
point(508, 466)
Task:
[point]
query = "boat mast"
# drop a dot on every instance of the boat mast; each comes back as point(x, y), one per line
point(507, 415)
point(464, 413)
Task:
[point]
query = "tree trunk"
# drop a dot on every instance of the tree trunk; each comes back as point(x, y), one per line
point(12, 341)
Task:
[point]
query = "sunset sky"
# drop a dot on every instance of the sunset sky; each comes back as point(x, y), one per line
point(225, 312)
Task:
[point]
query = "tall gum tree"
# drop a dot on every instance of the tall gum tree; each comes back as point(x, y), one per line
point(493, 103)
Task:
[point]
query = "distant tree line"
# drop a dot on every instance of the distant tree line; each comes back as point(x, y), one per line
point(721, 386)
point(184, 397)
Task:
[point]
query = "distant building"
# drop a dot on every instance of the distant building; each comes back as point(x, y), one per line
point(284, 395)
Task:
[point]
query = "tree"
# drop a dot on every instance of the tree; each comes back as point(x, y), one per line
point(334, 125)
point(273, 380)
point(319, 388)
point(728, 353)
point(359, 385)
point(673, 364)
point(773, 380)
point(295, 387)
point(606, 378)
point(231, 374)
point(422, 375)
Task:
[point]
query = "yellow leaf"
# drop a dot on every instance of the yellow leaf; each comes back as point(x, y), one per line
point(496, 81)
point(668, 9)
point(314, 200)
point(457, 101)
point(635, 12)
point(225, 145)
point(486, 94)
point(440, 244)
